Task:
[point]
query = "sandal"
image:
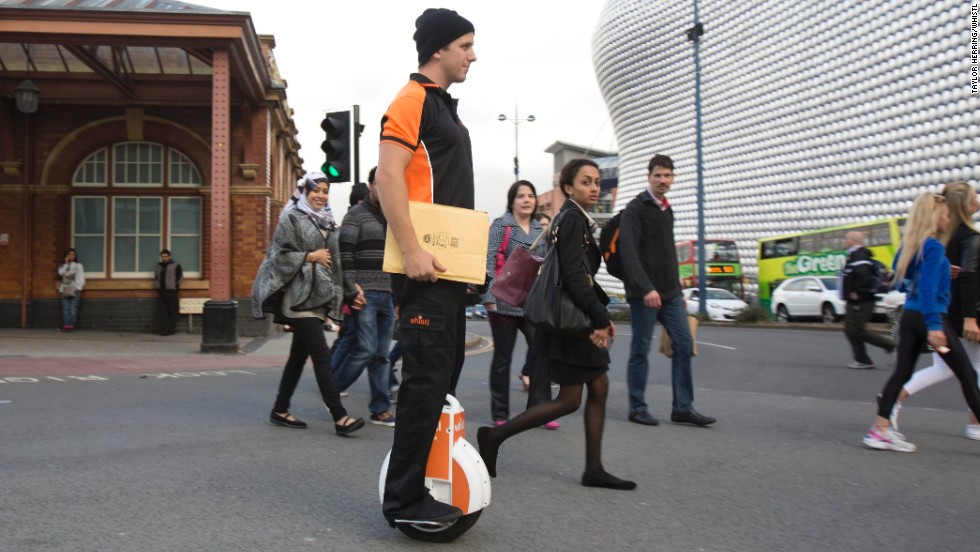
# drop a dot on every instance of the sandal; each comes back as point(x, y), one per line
point(286, 420)
point(349, 427)
point(526, 381)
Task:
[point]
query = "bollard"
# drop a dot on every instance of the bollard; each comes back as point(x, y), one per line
point(219, 333)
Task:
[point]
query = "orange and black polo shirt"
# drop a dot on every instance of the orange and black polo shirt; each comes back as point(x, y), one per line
point(423, 119)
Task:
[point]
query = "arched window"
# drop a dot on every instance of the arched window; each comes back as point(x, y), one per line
point(144, 205)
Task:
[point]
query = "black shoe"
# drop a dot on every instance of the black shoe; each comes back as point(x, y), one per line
point(644, 418)
point(345, 430)
point(285, 421)
point(691, 417)
point(427, 510)
point(606, 481)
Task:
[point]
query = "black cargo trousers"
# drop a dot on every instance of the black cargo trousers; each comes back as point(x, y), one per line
point(433, 337)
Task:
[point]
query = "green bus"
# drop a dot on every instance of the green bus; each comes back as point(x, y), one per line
point(821, 252)
point(721, 263)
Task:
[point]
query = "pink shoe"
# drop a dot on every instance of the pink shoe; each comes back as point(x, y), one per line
point(553, 424)
point(499, 423)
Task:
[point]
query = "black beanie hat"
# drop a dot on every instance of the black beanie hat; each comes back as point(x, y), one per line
point(358, 192)
point(436, 28)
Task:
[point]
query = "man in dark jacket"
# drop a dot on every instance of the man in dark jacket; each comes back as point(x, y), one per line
point(362, 248)
point(857, 289)
point(167, 278)
point(653, 291)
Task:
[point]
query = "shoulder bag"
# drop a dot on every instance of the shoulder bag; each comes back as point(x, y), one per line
point(549, 305)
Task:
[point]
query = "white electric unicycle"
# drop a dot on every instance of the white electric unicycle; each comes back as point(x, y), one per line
point(455, 474)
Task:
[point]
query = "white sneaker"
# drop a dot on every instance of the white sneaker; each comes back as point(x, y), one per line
point(973, 432)
point(887, 439)
point(860, 366)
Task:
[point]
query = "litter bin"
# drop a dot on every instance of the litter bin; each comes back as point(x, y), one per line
point(219, 332)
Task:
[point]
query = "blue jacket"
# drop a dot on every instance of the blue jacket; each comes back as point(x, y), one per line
point(926, 283)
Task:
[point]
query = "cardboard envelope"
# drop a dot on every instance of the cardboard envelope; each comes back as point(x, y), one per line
point(457, 237)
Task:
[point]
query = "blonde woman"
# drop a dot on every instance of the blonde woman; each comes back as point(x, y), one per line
point(962, 241)
point(923, 273)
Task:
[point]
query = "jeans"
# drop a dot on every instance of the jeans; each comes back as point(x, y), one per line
point(673, 317)
point(372, 327)
point(342, 346)
point(433, 328)
point(69, 310)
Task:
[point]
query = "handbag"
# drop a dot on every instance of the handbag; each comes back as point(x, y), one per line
point(668, 350)
point(516, 276)
point(549, 305)
point(69, 290)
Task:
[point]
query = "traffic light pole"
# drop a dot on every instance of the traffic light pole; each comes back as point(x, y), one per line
point(358, 129)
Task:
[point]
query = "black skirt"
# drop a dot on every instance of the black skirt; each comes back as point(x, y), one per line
point(562, 372)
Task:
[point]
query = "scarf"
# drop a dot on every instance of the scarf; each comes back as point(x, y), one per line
point(323, 217)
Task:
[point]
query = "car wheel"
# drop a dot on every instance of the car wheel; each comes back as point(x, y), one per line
point(782, 315)
point(828, 314)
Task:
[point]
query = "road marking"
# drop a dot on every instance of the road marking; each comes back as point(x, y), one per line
point(618, 334)
point(6, 402)
point(717, 345)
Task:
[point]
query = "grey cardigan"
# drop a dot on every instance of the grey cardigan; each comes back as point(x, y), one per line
point(284, 269)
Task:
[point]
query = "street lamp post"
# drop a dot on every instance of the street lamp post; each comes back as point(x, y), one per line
point(694, 35)
point(517, 120)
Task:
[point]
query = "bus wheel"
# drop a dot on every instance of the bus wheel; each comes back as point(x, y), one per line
point(782, 315)
point(828, 314)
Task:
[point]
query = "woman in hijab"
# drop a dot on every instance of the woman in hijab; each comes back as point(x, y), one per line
point(299, 281)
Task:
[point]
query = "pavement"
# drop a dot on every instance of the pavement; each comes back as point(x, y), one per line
point(52, 353)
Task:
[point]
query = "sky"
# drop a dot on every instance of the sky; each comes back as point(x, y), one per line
point(537, 54)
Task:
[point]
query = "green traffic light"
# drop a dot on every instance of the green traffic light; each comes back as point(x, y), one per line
point(332, 171)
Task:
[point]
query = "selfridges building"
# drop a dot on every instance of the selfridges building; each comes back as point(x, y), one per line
point(815, 114)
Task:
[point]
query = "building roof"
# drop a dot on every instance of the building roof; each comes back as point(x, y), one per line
point(565, 146)
point(171, 6)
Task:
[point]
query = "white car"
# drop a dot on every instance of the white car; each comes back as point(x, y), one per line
point(722, 305)
point(808, 297)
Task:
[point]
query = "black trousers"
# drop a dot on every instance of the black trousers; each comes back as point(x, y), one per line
point(911, 339)
point(433, 337)
point(856, 318)
point(309, 342)
point(169, 310)
point(504, 329)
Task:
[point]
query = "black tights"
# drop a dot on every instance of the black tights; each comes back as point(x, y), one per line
point(568, 400)
point(912, 337)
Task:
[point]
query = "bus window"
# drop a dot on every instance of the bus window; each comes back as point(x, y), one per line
point(808, 244)
point(879, 234)
point(684, 252)
point(779, 248)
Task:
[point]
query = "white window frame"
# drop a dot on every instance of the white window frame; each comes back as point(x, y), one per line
point(200, 234)
point(90, 269)
point(115, 234)
point(163, 162)
point(182, 159)
point(88, 160)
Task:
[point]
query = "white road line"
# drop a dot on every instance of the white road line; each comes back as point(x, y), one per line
point(656, 336)
point(716, 345)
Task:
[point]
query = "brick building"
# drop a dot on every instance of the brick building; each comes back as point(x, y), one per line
point(159, 125)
